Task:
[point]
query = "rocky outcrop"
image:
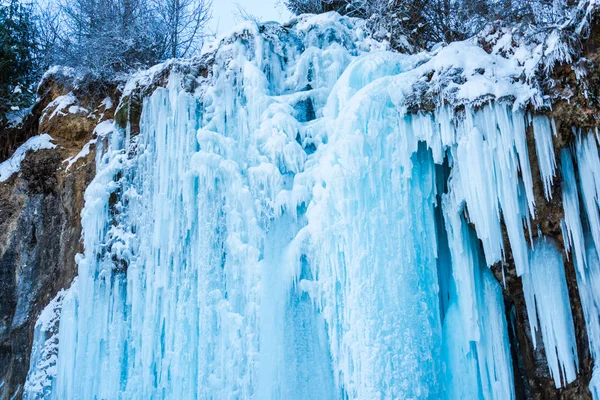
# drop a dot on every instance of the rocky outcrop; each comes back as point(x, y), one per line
point(40, 205)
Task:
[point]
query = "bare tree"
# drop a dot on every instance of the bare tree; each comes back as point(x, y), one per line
point(412, 25)
point(49, 22)
point(316, 6)
point(241, 14)
point(183, 23)
point(108, 37)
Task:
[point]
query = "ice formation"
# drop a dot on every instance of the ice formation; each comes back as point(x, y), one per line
point(582, 234)
point(45, 351)
point(294, 229)
point(547, 296)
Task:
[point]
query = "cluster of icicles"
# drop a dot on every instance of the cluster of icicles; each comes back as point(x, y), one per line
point(291, 231)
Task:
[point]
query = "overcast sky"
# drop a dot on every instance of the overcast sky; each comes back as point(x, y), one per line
point(224, 12)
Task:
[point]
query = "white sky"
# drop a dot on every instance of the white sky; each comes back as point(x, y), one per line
point(224, 18)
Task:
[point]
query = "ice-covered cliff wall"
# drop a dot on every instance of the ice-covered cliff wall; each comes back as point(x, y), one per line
point(45, 166)
point(298, 225)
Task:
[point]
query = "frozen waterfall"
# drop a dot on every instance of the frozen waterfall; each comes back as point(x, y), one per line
point(291, 228)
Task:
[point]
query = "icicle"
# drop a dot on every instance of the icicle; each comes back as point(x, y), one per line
point(487, 177)
point(572, 232)
point(475, 163)
point(493, 351)
point(478, 362)
point(520, 137)
point(465, 263)
point(589, 181)
point(589, 293)
point(543, 131)
point(547, 299)
point(585, 243)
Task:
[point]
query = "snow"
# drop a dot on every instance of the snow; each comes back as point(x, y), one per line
point(62, 74)
point(58, 106)
point(104, 128)
point(85, 150)
point(77, 110)
point(107, 103)
point(318, 220)
point(13, 164)
point(59, 70)
point(15, 119)
point(146, 78)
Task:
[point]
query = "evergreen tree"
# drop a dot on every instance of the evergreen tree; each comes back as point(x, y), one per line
point(18, 64)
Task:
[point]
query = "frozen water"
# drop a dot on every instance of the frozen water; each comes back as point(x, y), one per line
point(297, 228)
point(543, 130)
point(44, 352)
point(547, 298)
point(581, 228)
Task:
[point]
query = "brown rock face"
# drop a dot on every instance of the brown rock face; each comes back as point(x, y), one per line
point(40, 224)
